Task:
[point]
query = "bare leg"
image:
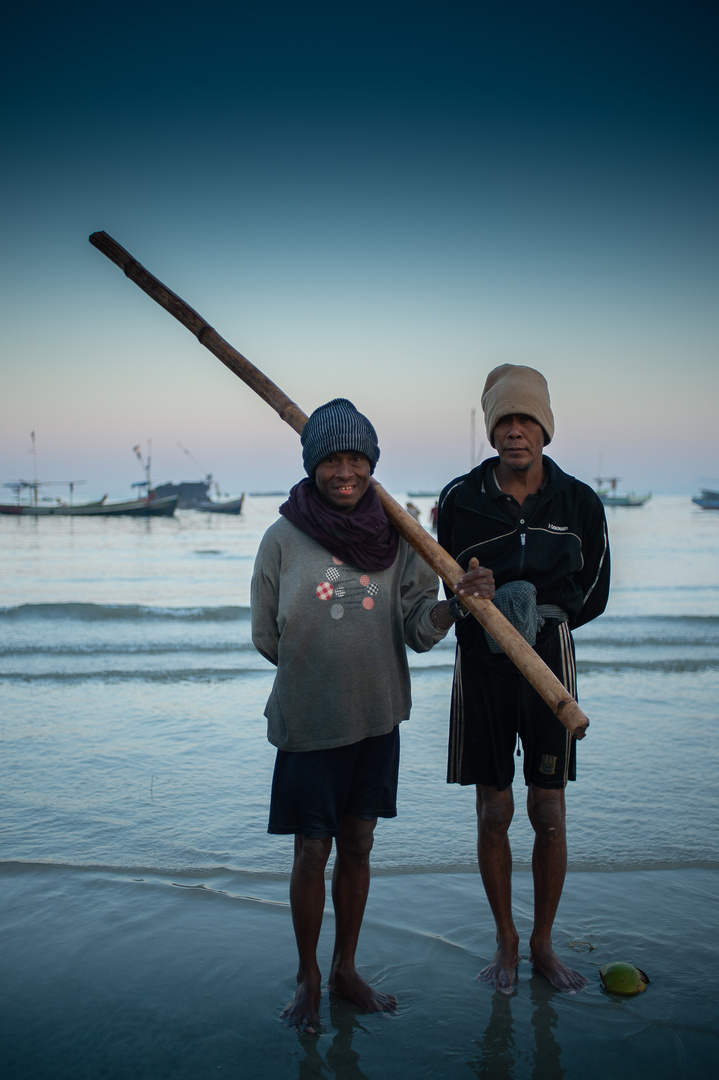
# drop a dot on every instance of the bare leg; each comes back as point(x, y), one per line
point(350, 888)
point(307, 901)
point(546, 809)
point(495, 810)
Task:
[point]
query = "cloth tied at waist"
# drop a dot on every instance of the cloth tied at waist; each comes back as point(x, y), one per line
point(517, 600)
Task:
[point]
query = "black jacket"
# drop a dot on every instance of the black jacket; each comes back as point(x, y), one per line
point(562, 547)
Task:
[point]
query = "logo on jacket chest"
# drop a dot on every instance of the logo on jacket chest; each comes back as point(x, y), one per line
point(346, 588)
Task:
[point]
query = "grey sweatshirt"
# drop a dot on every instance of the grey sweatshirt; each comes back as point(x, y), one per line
point(337, 636)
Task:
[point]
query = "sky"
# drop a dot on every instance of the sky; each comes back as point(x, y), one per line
point(378, 201)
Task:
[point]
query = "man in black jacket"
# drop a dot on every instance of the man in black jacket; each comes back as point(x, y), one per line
point(542, 535)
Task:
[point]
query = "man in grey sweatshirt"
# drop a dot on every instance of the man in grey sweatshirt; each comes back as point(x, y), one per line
point(337, 596)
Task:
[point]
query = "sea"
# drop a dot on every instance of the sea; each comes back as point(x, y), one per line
point(135, 765)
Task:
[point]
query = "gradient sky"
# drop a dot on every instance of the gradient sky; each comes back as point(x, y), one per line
point(377, 201)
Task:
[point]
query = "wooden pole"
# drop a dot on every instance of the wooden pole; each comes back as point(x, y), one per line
point(520, 652)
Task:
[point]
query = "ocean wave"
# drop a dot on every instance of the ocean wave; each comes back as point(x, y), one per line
point(658, 630)
point(671, 639)
point(141, 869)
point(609, 629)
point(116, 675)
point(252, 663)
point(82, 612)
point(673, 666)
point(223, 880)
point(257, 665)
point(139, 648)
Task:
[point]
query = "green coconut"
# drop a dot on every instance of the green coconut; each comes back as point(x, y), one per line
point(623, 979)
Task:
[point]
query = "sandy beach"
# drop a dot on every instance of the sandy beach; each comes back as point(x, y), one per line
point(116, 974)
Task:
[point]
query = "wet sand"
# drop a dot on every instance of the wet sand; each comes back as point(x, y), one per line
point(120, 974)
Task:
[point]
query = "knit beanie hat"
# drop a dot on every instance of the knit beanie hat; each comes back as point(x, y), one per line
point(512, 389)
point(334, 427)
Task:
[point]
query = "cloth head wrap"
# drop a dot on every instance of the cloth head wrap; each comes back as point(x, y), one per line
point(334, 427)
point(512, 389)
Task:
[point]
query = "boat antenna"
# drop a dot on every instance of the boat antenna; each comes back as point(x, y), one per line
point(475, 454)
point(33, 451)
point(145, 464)
point(71, 485)
point(207, 476)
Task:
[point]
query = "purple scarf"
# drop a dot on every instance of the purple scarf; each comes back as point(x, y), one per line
point(364, 538)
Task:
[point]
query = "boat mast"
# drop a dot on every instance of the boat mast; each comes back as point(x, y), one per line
point(33, 451)
point(207, 476)
point(474, 454)
point(146, 465)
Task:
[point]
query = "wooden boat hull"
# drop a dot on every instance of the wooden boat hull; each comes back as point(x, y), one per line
point(189, 493)
point(164, 507)
point(706, 503)
point(624, 500)
point(232, 506)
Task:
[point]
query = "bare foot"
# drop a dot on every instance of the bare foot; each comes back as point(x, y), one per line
point(547, 963)
point(501, 972)
point(303, 1012)
point(348, 984)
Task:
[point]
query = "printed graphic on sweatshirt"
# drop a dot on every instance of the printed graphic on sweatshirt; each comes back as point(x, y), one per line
point(347, 588)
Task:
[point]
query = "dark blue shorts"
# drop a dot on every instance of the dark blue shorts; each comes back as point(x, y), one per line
point(312, 790)
point(493, 703)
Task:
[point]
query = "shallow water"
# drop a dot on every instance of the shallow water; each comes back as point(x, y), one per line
point(145, 927)
point(133, 698)
point(117, 975)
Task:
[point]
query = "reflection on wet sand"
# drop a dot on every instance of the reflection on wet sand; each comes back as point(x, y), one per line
point(499, 1053)
point(342, 1060)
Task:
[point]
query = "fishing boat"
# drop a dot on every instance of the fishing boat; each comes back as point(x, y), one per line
point(188, 493)
point(229, 506)
point(708, 499)
point(145, 507)
point(610, 497)
point(194, 494)
point(35, 505)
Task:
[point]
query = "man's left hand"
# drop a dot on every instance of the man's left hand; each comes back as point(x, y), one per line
point(478, 581)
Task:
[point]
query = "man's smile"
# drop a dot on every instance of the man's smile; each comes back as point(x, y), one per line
point(331, 478)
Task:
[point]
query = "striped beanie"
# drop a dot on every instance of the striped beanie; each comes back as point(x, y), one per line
point(334, 427)
point(512, 389)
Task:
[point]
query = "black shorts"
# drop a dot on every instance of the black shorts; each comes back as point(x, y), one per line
point(492, 704)
point(312, 790)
